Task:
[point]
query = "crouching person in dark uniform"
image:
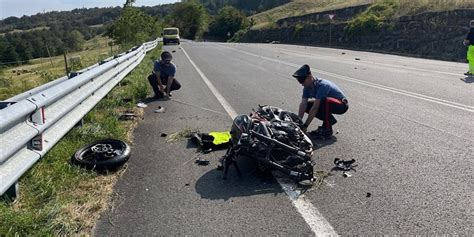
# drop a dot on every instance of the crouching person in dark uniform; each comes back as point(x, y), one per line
point(326, 99)
point(163, 80)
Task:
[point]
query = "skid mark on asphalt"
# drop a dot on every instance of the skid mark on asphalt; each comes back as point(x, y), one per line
point(318, 224)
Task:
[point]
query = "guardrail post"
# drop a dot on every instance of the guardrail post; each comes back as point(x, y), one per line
point(12, 193)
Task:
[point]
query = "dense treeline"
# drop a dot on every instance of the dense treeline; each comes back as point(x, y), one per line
point(17, 48)
point(249, 7)
point(55, 32)
point(28, 37)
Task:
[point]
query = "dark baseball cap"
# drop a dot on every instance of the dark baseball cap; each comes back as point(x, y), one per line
point(166, 56)
point(302, 72)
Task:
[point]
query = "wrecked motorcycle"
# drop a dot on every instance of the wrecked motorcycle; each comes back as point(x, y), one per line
point(275, 139)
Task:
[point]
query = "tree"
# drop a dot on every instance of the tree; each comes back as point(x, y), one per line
point(9, 56)
point(191, 18)
point(134, 27)
point(228, 22)
point(75, 40)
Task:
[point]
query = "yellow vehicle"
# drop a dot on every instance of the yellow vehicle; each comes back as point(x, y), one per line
point(170, 35)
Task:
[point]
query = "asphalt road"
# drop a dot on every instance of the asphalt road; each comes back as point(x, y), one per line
point(410, 128)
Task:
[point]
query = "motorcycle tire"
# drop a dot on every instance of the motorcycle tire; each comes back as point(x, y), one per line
point(106, 154)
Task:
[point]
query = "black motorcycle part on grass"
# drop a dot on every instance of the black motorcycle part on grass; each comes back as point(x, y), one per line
point(106, 154)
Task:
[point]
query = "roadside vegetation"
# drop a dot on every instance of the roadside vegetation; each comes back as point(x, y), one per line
point(17, 79)
point(57, 198)
point(227, 23)
point(268, 18)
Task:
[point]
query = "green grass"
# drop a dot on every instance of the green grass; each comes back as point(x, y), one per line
point(57, 198)
point(15, 80)
point(301, 7)
point(372, 19)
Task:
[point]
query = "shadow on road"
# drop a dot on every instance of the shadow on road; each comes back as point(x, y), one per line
point(212, 186)
point(318, 143)
point(468, 79)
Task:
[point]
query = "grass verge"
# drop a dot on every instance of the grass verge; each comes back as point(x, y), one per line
point(15, 80)
point(57, 198)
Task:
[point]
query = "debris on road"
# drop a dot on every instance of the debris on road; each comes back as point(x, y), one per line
point(163, 135)
point(127, 116)
point(344, 165)
point(160, 110)
point(177, 136)
point(357, 58)
point(343, 53)
point(368, 195)
point(142, 105)
point(201, 162)
point(346, 174)
point(210, 141)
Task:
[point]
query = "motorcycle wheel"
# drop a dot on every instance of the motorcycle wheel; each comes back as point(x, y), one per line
point(107, 154)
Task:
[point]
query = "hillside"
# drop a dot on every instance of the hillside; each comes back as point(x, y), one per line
point(268, 18)
point(249, 7)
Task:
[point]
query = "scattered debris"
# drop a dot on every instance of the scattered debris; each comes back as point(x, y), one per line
point(343, 53)
point(188, 132)
point(142, 105)
point(160, 110)
point(201, 162)
point(344, 165)
point(368, 195)
point(163, 135)
point(355, 67)
point(346, 174)
point(357, 58)
point(186, 184)
point(174, 51)
point(372, 139)
point(127, 116)
point(320, 176)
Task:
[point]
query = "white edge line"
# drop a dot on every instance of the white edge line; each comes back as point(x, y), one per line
point(318, 224)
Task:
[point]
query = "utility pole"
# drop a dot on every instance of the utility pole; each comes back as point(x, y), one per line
point(65, 63)
point(49, 54)
point(330, 28)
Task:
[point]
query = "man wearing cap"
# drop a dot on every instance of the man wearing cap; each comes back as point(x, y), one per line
point(164, 75)
point(326, 99)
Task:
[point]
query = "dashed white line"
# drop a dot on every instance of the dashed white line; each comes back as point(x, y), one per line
point(318, 224)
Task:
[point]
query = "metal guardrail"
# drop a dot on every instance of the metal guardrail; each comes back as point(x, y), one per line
point(36, 120)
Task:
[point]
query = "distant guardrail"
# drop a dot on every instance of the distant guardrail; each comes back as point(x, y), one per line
point(31, 123)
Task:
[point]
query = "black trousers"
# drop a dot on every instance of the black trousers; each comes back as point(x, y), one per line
point(154, 84)
point(327, 108)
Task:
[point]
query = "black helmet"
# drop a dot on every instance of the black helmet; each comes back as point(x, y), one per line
point(165, 55)
point(302, 72)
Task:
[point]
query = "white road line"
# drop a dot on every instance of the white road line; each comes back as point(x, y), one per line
point(370, 84)
point(318, 224)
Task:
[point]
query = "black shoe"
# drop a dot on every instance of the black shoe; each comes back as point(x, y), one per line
point(316, 132)
point(158, 96)
point(322, 133)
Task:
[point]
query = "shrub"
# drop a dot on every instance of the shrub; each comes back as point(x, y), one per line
point(372, 19)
